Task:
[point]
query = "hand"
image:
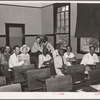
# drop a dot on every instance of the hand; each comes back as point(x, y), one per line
point(67, 59)
point(9, 70)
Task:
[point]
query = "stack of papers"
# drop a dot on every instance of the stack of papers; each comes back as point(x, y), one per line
point(97, 87)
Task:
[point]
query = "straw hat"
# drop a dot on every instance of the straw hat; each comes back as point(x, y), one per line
point(24, 46)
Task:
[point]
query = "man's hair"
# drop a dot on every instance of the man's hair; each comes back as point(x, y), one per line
point(15, 47)
point(69, 47)
point(38, 37)
point(2, 49)
point(45, 38)
point(91, 47)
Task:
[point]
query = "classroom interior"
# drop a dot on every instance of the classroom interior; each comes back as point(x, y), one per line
point(21, 23)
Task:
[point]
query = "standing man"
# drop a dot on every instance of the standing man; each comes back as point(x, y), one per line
point(47, 44)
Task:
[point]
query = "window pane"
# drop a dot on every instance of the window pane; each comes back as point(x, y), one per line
point(58, 23)
point(86, 42)
point(58, 30)
point(62, 15)
point(62, 30)
point(67, 8)
point(66, 22)
point(62, 22)
point(59, 9)
point(63, 39)
point(66, 15)
point(66, 29)
point(63, 8)
point(58, 16)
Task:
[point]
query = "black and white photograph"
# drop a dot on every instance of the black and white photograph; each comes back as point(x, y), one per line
point(50, 47)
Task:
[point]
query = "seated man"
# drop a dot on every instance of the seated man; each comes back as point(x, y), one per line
point(55, 52)
point(59, 62)
point(44, 58)
point(14, 58)
point(90, 58)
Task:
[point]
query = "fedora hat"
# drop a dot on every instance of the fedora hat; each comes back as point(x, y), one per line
point(24, 46)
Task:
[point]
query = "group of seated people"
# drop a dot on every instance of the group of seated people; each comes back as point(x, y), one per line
point(44, 54)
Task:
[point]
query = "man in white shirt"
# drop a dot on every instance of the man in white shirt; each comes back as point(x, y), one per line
point(59, 62)
point(55, 52)
point(90, 58)
point(37, 46)
point(14, 58)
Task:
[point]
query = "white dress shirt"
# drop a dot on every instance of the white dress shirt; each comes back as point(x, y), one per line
point(55, 53)
point(71, 55)
point(14, 61)
point(49, 47)
point(89, 59)
point(36, 47)
point(43, 58)
point(58, 64)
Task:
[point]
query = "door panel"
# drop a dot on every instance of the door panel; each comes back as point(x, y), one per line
point(15, 34)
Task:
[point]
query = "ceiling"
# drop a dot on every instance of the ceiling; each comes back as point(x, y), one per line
point(31, 4)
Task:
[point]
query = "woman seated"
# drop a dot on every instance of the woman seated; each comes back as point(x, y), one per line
point(7, 52)
point(2, 57)
point(24, 56)
point(44, 58)
point(69, 56)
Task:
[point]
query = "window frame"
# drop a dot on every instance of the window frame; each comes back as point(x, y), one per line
point(55, 21)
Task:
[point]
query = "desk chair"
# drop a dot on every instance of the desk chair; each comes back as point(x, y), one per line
point(94, 76)
point(18, 77)
point(7, 73)
point(78, 61)
point(34, 76)
point(77, 72)
point(11, 88)
point(98, 65)
point(2, 80)
point(59, 84)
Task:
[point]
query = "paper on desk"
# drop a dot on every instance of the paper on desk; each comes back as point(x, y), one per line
point(80, 90)
point(97, 87)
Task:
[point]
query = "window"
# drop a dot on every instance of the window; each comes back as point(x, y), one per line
point(62, 24)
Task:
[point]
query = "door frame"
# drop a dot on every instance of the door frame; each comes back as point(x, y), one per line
point(8, 25)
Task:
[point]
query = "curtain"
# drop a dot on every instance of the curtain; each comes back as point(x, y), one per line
point(88, 20)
